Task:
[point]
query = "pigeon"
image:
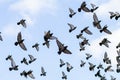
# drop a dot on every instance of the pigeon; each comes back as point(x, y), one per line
point(118, 45)
point(106, 59)
point(86, 30)
point(72, 13)
point(112, 14)
point(20, 41)
point(118, 57)
point(88, 56)
point(24, 73)
point(64, 76)
point(80, 36)
point(96, 22)
point(62, 48)
point(103, 78)
point(22, 22)
point(61, 63)
point(24, 61)
point(91, 67)
point(1, 37)
point(117, 15)
point(36, 45)
point(94, 7)
point(13, 65)
point(43, 73)
point(32, 59)
point(48, 36)
point(105, 42)
point(69, 67)
point(72, 27)
point(98, 74)
point(100, 66)
point(105, 30)
point(118, 68)
point(83, 7)
point(82, 63)
point(108, 69)
point(85, 42)
point(112, 78)
point(82, 48)
point(29, 73)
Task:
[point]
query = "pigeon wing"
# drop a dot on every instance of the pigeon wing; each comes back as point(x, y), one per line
point(67, 51)
point(95, 17)
point(71, 11)
point(86, 9)
point(88, 32)
point(19, 37)
point(107, 31)
point(71, 25)
point(22, 45)
point(1, 38)
point(31, 76)
point(59, 44)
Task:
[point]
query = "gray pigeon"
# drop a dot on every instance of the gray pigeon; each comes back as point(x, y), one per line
point(88, 56)
point(61, 63)
point(91, 67)
point(106, 59)
point(64, 76)
point(36, 46)
point(94, 7)
point(62, 48)
point(96, 22)
point(82, 63)
point(112, 14)
point(69, 67)
point(32, 59)
point(105, 30)
point(72, 13)
point(72, 27)
point(43, 73)
point(20, 41)
point(80, 36)
point(22, 22)
point(108, 68)
point(105, 42)
point(13, 65)
point(24, 61)
point(83, 7)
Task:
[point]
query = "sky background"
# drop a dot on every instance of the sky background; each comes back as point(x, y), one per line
point(44, 15)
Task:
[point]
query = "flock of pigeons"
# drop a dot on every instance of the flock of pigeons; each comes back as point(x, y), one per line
point(63, 49)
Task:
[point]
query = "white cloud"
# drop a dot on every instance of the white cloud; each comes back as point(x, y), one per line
point(112, 5)
point(33, 7)
point(99, 51)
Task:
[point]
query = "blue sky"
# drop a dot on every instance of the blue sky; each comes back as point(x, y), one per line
point(44, 15)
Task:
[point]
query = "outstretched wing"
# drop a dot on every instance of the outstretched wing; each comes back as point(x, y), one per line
point(31, 76)
point(13, 63)
point(19, 37)
point(107, 31)
point(31, 57)
point(71, 11)
point(93, 5)
point(86, 9)
point(59, 44)
point(42, 70)
point(63, 73)
point(88, 32)
point(118, 52)
point(95, 18)
point(112, 13)
point(90, 64)
point(71, 25)
point(67, 51)
point(22, 45)
point(61, 61)
point(53, 38)
point(105, 55)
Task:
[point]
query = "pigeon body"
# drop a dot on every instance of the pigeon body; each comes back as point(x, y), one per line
point(22, 22)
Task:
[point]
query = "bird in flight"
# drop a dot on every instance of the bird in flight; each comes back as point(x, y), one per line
point(72, 13)
point(105, 30)
point(32, 59)
point(20, 41)
point(43, 73)
point(61, 63)
point(22, 22)
point(105, 42)
point(94, 7)
point(72, 27)
point(24, 61)
point(36, 46)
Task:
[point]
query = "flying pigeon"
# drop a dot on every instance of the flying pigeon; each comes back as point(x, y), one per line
point(86, 30)
point(100, 66)
point(88, 56)
point(64, 76)
point(61, 63)
point(36, 45)
point(85, 42)
point(91, 67)
point(96, 22)
point(13, 65)
point(62, 48)
point(118, 45)
point(24, 73)
point(72, 13)
point(117, 15)
point(80, 36)
point(105, 30)
point(43, 73)
point(105, 42)
point(69, 67)
point(29, 73)
point(112, 14)
point(72, 27)
point(48, 36)
point(98, 74)
point(20, 41)
point(82, 63)
point(81, 46)
point(22, 22)
point(83, 7)
point(106, 59)
point(32, 59)
point(109, 69)
point(94, 7)
point(24, 61)
point(1, 37)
